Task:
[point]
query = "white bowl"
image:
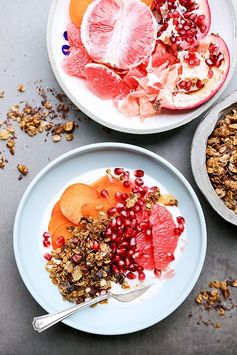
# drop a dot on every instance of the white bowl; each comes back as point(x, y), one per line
point(104, 112)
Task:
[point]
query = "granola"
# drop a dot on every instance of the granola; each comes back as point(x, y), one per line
point(81, 267)
point(221, 159)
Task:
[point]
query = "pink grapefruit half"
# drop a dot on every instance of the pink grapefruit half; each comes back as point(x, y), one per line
point(120, 33)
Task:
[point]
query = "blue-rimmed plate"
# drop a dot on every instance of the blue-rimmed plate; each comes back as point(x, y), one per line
point(84, 164)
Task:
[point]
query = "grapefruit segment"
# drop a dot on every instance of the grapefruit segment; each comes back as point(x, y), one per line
point(144, 244)
point(163, 236)
point(74, 35)
point(104, 82)
point(74, 64)
point(121, 33)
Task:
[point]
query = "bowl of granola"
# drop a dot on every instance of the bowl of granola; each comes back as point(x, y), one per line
point(214, 157)
point(110, 216)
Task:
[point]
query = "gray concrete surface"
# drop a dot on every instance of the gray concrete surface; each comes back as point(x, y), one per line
point(24, 59)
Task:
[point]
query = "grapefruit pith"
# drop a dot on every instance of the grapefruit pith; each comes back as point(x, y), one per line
point(121, 33)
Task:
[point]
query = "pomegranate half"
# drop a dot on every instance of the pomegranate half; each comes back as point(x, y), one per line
point(183, 22)
point(203, 71)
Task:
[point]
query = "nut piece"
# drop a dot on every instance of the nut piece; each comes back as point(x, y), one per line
point(56, 138)
point(2, 162)
point(22, 169)
point(4, 134)
point(2, 94)
point(69, 126)
point(21, 88)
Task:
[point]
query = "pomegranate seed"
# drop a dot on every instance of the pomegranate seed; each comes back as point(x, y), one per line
point(113, 247)
point(47, 235)
point(113, 223)
point(157, 272)
point(114, 237)
point(140, 268)
point(177, 232)
point(148, 232)
point(133, 222)
point(127, 261)
point(127, 222)
point(141, 203)
point(125, 244)
point(60, 241)
point(141, 276)
point(180, 220)
point(154, 188)
point(46, 243)
point(115, 268)
point(76, 258)
point(118, 196)
point(135, 190)
point(137, 208)
point(181, 228)
point(139, 173)
point(117, 258)
point(127, 183)
point(108, 232)
point(121, 251)
point(118, 221)
point(133, 267)
point(171, 256)
point(133, 241)
point(132, 214)
point(137, 254)
point(130, 252)
point(124, 196)
point(131, 275)
point(126, 175)
point(112, 211)
point(121, 263)
point(139, 182)
point(122, 269)
point(119, 207)
point(47, 256)
point(124, 214)
point(104, 194)
point(118, 171)
point(144, 225)
point(96, 246)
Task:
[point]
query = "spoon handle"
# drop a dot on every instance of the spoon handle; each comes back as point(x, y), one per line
point(44, 322)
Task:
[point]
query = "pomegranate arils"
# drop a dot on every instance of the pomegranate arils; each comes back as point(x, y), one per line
point(118, 196)
point(60, 241)
point(112, 211)
point(104, 194)
point(108, 232)
point(157, 272)
point(96, 246)
point(124, 196)
point(118, 171)
point(127, 183)
point(181, 228)
point(139, 182)
point(47, 256)
point(46, 243)
point(177, 232)
point(133, 242)
point(119, 207)
point(141, 276)
point(139, 173)
point(46, 235)
point(131, 275)
point(180, 220)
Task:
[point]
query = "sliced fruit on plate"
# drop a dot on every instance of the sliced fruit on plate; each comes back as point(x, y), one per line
point(77, 10)
point(145, 246)
point(164, 238)
point(74, 35)
point(73, 198)
point(104, 82)
point(121, 33)
point(183, 22)
point(56, 208)
point(74, 64)
point(204, 70)
point(94, 208)
point(61, 231)
point(56, 221)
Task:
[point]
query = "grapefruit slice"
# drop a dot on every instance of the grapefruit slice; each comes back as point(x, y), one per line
point(74, 64)
point(144, 244)
point(163, 236)
point(121, 33)
point(104, 82)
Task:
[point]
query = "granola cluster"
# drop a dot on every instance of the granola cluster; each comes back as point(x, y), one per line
point(81, 267)
point(217, 299)
point(221, 159)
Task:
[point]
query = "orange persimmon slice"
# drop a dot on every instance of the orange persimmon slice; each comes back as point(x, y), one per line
point(56, 208)
point(77, 10)
point(61, 231)
point(73, 198)
point(56, 221)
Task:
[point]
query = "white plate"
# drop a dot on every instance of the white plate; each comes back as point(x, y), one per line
point(104, 112)
point(114, 318)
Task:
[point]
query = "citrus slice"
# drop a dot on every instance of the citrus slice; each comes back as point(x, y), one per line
point(121, 33)
point(145, 246)
point(104, 82)
point(74, 64)
point(163, 236)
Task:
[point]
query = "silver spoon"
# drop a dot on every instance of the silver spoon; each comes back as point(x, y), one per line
point(44, 322)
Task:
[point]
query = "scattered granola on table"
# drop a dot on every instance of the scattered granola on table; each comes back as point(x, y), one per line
point(217, 299)
point(221, 159)
point(22, 169)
